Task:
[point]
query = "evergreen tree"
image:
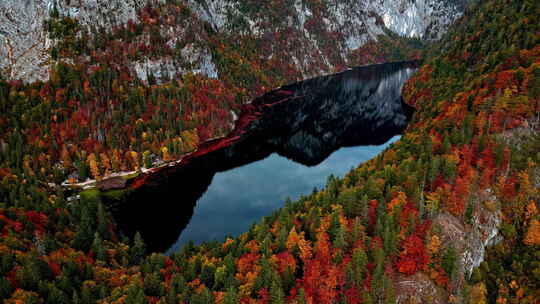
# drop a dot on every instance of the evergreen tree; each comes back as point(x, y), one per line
point(266, 275)
point(152, 285)
point(377, 284)
point(5, 288)
point(434, 169)
point(231, 296)
point(449, 260)
point(367, 298)
point(277, 296)
point(204, 297)
point(301, 297)
point(339, 240)
point(356, 232)
point(359, 263)
point(208, 274)
point(56, 295)
point(135, 295)
point(87, 296)
point(97, 247)
point(85, 234)
point(138, 250)
point(102, 221)
point(171, 297)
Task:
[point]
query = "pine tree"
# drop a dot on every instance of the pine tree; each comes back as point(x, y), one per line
point(389, 291)
point(55, 295)
point(138, 250)
point(377, 283)
point(367, 298)
point(97, 247)
point(231, 296)
point(207, 274)
point(356, 232)
point(359, 262)
point(87, 296)
point(389, 237)
point(266, 275)
point(75, 298)
point(152, 285)
point(339, 240)
point(5, 288)
point(135, 295)
point(335, 225)
point(102, 221)
point(171, 297)
point(301, 297)
point(85, 234)
point(449, 260)
point(204, 297)
point(277, 296)
point(434, 169)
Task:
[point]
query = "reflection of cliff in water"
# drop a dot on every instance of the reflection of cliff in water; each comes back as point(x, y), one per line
point(305, 122)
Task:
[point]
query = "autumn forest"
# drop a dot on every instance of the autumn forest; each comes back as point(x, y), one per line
point(447, 214)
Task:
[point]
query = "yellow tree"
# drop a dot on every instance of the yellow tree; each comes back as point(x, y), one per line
point(94, 167)
point(105, 162)
point(532, 237)
point(292, 239)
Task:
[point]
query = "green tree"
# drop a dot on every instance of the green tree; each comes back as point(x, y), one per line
point(449, 260)
point(97, 247)
point(152, 285)
point(231, 296)
point(359, 262)
point(138, 250)
point(135, 295)
point(277, 296)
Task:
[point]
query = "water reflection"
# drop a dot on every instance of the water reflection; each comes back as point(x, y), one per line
point(241, 196)
point(305, 122)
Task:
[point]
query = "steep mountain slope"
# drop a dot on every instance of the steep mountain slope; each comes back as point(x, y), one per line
point(407, 227)
point(144, 87)
point(25, 48)
point(348, 24)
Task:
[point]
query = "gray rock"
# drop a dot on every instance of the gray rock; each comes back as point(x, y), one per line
point(111, 183)
point(24, 50)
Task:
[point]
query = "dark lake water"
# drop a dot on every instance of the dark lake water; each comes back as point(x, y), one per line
point(239, 197)
point(285, 143)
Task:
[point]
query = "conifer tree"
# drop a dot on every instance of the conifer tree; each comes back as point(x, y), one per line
point(102, 222)
point(138, 249)
point(85, 235)
point(231, 296)
point(97, 247)
point(301, 297)
point(135, 295)
point(277, 296)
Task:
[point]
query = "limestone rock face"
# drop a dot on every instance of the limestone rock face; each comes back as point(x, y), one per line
point(24, 50)
point(24, 41)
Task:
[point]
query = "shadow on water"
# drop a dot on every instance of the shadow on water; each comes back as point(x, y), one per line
point(241, 196)
point(304, 122)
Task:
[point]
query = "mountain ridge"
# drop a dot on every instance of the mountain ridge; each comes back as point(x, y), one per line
point(409, 226)
point(26, 53)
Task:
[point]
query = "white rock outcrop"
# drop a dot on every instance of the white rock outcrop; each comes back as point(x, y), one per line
point(24, 50)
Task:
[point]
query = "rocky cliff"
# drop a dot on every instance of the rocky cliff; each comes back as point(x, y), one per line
point(323, 35)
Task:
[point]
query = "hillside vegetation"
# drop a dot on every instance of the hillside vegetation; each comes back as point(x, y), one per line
point(409, 226)
point(146, 92)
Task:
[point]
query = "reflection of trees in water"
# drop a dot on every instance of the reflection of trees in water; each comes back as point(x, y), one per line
point(357, 107)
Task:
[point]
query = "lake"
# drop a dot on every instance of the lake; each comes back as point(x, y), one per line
point(284, 143)
point(239, 197)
